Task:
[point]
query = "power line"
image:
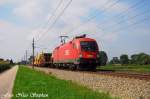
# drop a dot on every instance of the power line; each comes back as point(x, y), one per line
point(49, 19)
point(111, 5)
point(126, 10)
point(55, 20)
point(93, 17)
point(33, 47)
point(108, 1)
point(52, 15)
point(135, 23)
point(26, 56)
point(130, 25)
point(129, 18)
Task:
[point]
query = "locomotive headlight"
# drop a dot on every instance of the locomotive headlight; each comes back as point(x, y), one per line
point(98, 55)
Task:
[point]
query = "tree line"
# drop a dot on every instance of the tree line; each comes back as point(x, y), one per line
point(124, 59)
point(5, 64)
point(139, 59)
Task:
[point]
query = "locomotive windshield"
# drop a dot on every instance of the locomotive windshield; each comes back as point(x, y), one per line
point(88, 46)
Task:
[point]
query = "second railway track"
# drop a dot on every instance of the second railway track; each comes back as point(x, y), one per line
point(126, 75)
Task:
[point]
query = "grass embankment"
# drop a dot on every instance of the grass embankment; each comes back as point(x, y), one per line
point(127, 68)
point(4, 66)
point(29, 82)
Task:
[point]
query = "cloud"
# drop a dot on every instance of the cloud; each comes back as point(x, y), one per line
point(13, 40)
point(2, 2)
point(28, 10)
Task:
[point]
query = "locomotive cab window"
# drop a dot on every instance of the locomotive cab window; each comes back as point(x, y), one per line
point(88, 46)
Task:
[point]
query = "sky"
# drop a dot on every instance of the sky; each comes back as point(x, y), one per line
point(119, 26)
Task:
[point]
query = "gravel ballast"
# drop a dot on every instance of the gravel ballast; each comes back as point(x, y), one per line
point(126, 88)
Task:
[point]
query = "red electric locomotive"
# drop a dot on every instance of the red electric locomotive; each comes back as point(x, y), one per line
point(81, 53)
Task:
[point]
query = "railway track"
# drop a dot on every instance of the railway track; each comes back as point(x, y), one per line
point(141, 76)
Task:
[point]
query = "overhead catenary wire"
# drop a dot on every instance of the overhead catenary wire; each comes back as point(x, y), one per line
point(51, 16)
point(91, 18)
point(57, 18)
point(127, 10)
point(129, 18)
point(134, 23)
point(130, 25)
point(132, 17)
point(95, 16)
point(49, 19)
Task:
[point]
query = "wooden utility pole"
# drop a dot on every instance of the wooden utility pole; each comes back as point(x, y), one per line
point(26, 56)
point(33, 47)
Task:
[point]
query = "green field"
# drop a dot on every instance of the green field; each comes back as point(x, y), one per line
point(29, 82)
point(127, 68)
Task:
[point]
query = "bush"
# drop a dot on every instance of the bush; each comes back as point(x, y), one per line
point(4, 67)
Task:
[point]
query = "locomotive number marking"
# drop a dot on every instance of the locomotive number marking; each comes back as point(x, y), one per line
point(67, 52)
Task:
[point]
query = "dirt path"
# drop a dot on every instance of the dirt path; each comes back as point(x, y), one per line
point(6, 82)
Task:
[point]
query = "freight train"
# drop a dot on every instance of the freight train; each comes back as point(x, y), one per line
point(43, 59)
point(81, 53)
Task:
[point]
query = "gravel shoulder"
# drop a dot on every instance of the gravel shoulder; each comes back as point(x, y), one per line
point(126, 88)
point(7, 79)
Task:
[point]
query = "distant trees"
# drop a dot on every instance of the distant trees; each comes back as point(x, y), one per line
point(103, 58)
point(134, 59)
point(140, 59)
point(115, 60)
point(124, 59)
